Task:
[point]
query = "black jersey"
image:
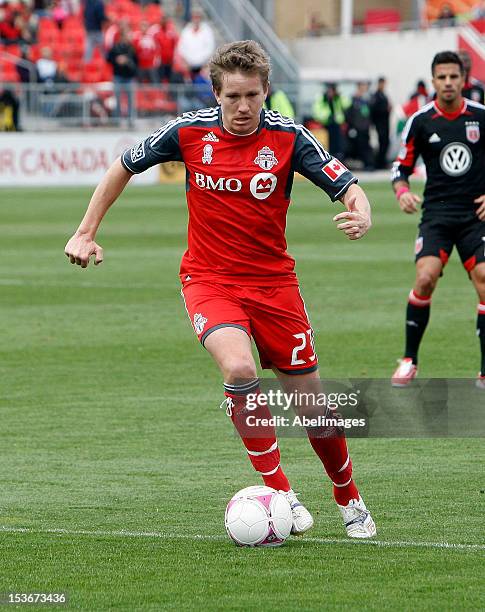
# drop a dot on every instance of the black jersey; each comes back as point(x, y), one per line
point(453, 149)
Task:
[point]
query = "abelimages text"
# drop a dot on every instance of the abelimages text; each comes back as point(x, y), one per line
point(304, 421)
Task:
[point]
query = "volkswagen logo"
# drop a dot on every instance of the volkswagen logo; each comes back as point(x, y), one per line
point(455, 159)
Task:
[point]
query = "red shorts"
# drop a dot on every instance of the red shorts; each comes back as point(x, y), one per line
point(274, 316)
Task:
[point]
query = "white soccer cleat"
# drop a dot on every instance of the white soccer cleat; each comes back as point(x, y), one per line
point(480, 382)
point(302, 519)
point(357, 519)
point(405, 373)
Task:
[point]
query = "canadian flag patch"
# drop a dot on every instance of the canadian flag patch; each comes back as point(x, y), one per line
point(334, 169)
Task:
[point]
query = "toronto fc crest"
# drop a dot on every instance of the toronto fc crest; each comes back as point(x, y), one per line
point(266, 159)
point(199, 322)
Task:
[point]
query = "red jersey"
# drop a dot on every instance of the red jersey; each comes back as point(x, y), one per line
point(147, 51)
point(238, 191)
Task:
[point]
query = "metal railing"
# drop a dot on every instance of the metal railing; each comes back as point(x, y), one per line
point(70, 106)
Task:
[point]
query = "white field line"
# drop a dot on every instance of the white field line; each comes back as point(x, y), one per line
point(212, 538)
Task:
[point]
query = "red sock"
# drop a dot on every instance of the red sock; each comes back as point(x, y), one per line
point(333, 453)
point(260, 441)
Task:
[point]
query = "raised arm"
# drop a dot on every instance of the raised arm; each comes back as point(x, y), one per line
point(81, 245)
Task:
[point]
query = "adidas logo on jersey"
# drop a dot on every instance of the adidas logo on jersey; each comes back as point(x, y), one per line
point(434, 138)
point(210, 137)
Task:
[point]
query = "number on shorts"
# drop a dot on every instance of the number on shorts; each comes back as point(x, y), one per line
point(300, 347)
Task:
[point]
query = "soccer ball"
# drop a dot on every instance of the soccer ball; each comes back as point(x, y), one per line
point(258, 516)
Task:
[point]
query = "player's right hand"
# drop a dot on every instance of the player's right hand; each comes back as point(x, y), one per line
point(80, 248)
point(408, 202)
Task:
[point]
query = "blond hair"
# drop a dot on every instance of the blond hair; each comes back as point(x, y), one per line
point(246, 56)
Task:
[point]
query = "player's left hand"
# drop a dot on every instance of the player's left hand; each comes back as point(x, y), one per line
point(356, 223)
point(481, 209)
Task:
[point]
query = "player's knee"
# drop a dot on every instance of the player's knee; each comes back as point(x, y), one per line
point(239, 368)
point(479, 276)
point(425, 282)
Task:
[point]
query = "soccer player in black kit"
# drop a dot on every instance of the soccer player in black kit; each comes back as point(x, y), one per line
point(449, 134)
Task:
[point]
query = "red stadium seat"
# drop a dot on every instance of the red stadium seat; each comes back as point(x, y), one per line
point(74, 71)
point(93, 71)
point(75, 36)
point(8, 72)
point(382, 20)
point(34, 53)
point(46, 23)
point(73, 22)
point(153, 13)
point(48, 37)
point(13, 50)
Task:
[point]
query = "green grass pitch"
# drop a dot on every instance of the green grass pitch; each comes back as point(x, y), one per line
point(116, 462)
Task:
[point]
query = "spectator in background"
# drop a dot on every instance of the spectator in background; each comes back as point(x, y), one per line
point(61, 9)
point(478, 11)
point(111, 34)
point(184, 9)
point(122, 57)
point(147, 53)
point(41, 8)
point(329, 110)
point(167, 38)
point(277, 100)
point(446, 17)
point(94, 20)
point(473, 89)
point(380, 110)
point(204, 96)
point(358, 127)
point(9, 111)
point(46, 66)
point(10, 27)
point(416, 100)
point(196, 44)
point(316, 27)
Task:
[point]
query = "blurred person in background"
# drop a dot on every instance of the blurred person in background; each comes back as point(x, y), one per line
point(278, 101)
point(148, 54)
point(380, 109)
point(478, 11)
point(166, 35)
point(94, 20)
point(416, 100)
point(329, 110)
point(197, 43)
point(122, 56)
point(9, 111)
point(358, 127)
point(46, 66)
point(184, 10)
point(446, 17)
point(473, 89)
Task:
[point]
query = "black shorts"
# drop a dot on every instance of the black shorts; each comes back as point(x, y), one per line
point(439, 233)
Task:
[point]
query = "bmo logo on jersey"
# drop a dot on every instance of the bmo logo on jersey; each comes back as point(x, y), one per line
point(204, 181)
point(262, 185)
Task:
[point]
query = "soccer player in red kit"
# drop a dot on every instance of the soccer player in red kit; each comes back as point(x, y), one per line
point(238, 281)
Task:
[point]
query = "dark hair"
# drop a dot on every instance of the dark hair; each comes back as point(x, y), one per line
point(246, 56)
point(447, 57)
